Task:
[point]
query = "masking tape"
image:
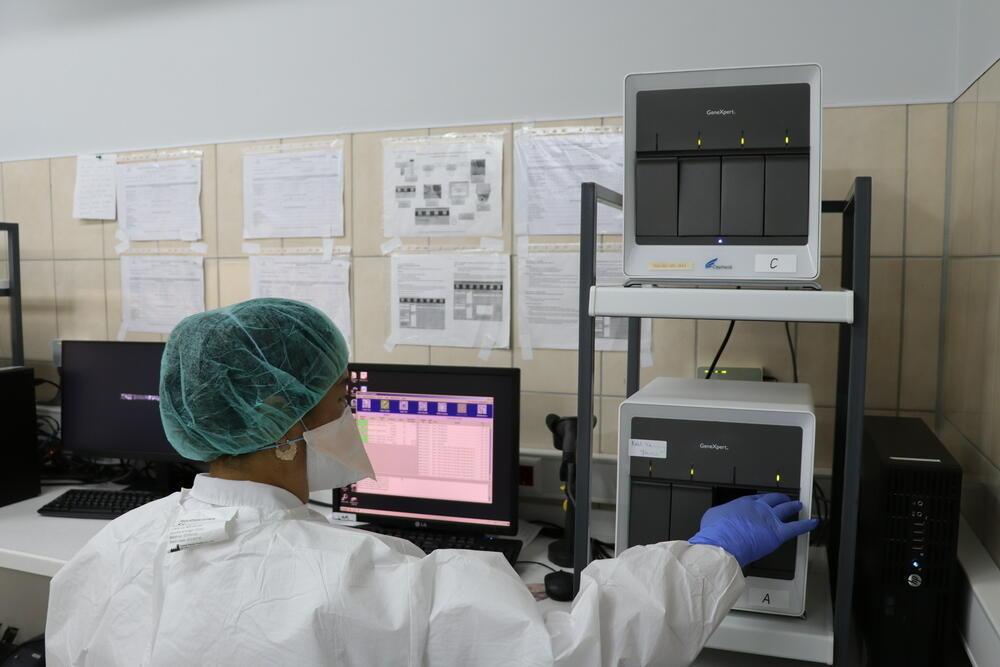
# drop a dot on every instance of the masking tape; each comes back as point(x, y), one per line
point(491, 244)
point(251, 248)
point(199, 248)
point(121, 247)
point(327, 249)
point(390, 245)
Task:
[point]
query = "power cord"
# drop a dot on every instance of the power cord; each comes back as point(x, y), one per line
point(822, 505)
point(535, 562)
point(791, 351)
point(718, 355)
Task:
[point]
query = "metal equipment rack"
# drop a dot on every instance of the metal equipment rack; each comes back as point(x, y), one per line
point(11, 288)
point(847, 307)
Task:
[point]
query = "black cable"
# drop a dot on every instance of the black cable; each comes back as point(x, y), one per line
point(321, 503)
point(718, 355)
point(535, 562)
point(548, 524)
point(791, 350)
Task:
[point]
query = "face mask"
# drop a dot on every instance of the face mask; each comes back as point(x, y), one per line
point(335, 454)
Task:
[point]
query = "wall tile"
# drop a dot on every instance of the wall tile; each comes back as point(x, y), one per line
point(234, 281)
point(549, 371)
point(81, 304)
point(370, 290)
point(212, 285)
point(817, 343)
point(673, 356)
point(38, 311)
point(984, 162)
point(367, 185)
point(607, 425)
point(921, 318)
point(27, 201)
point(869, 141)
point(534, 408)
point(927, 147)
point(229, 199)
point(72, 238)
point(963, 140)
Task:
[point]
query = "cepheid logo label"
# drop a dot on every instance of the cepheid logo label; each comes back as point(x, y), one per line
point(714, 264)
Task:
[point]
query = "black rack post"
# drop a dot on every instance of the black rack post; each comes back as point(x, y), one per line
point(591, 195)
point(852, 354)
point(13, 292)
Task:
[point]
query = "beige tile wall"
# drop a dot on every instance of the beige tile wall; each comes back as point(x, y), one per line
point(73, 288)
point(970, 382)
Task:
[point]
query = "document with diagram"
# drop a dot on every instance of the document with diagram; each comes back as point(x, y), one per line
point(441, 186)
point(451, 299)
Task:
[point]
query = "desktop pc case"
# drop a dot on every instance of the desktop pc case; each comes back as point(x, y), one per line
point(686, 445)
point(907, 543)
point(722, 175)
point(20, 471)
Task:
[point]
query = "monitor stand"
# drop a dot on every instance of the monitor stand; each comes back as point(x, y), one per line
point(166, 479)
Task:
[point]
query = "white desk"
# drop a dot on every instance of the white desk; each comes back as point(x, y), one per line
point(33, 548)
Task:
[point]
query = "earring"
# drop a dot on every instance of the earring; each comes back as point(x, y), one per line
point(288, 453)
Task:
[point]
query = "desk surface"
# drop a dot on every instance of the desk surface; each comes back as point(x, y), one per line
point(41, 545)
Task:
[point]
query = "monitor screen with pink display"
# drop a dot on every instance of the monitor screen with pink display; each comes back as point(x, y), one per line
point(443, 443)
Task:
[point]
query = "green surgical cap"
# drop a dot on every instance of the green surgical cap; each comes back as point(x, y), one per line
point(236, 379)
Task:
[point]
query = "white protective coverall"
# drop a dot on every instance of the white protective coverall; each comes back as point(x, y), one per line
point(288, 588)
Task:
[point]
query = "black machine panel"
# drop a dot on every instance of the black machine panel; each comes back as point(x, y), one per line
point(907, 543)
point(723, 165)
point(708, 464)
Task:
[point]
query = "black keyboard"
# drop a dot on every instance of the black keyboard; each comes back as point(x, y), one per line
point(96, 503)
point(429, 541)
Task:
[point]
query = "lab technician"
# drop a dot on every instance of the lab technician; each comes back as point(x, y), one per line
point(237, 570)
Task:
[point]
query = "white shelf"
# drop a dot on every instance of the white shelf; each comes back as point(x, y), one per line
point(770, 305)
point(809, 639)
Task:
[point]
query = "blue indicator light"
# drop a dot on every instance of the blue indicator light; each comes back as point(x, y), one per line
point(916, 564)
point(719, 241)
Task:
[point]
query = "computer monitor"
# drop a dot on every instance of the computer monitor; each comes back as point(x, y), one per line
point(443, 441)
point(111, 400)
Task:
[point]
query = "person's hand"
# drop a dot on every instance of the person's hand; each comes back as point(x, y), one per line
point(751, 527)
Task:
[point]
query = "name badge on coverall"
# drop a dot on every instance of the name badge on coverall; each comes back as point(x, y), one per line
point(198, 527)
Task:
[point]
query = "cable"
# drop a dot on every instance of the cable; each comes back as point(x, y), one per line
point(320, 503)
point(718, 355)
point(791, 350)
point(535, 562)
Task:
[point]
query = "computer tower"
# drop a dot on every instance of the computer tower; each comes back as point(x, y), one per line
point(20, 469)
point(907, 543)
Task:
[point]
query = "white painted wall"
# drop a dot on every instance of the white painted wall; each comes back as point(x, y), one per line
point(101, 75)
point(978, 40)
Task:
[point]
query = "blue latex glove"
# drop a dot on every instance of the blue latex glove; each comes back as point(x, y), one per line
point(751, 527)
